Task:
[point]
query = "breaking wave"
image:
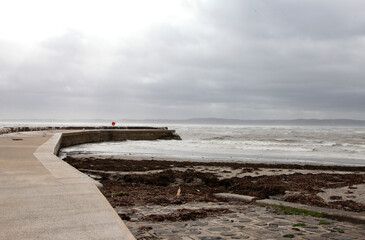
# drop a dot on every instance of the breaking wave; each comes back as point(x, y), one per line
point(247, 144)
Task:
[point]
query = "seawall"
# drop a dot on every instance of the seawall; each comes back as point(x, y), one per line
point(5, 130)
point(43, 197)
point(93, 136)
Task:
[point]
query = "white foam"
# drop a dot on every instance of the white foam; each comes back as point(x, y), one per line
point(344, 146)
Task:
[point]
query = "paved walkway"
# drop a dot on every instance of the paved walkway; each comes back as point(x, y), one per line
point(41, 197)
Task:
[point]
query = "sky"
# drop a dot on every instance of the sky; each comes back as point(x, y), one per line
point(171, 59)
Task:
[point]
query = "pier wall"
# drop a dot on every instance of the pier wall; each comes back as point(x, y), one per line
point(94, 136)
point(43, 197)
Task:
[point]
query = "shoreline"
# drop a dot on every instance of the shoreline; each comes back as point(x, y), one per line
point(159, 199)
point(137, 156)
point(293, 183)
point(289, 165)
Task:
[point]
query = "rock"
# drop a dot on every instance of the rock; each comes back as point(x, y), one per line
point(218, 229)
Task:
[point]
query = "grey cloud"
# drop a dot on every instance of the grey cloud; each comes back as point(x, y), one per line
point(328, 19)
point(242, 59)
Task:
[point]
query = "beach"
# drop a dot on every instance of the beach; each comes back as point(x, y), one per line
point(159, 199)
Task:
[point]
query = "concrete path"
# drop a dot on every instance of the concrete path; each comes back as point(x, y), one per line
point(42, 197)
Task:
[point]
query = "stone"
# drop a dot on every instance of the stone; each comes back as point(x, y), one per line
point(193, 232)
point(210, 238)
point(184, 238)
point(329, 235)
point(239, 227)
point(179, 225)
point(162, 232)
point(260, 224)
point(240, 237)
point(244, 220)
point(314, 237)
point(281, 223)
point(311, 227)
point(266, 233)
point(198, 223)
point(228, 234)
point(313, 230)
point(345, 237)
point(218, 229)
point(244, 198)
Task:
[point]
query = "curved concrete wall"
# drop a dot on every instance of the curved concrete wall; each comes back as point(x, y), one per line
point(67, 174)
point(43, 197)
point(92, 136)
point(75, 138)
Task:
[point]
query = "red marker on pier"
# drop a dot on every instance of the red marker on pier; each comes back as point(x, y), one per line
point(113, 123)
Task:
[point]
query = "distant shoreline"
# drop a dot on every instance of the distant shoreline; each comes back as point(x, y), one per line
point(206, 121)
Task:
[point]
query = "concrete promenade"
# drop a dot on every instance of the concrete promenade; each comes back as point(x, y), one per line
point(42, 197)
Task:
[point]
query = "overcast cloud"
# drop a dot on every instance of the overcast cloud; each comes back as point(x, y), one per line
point(256, 59)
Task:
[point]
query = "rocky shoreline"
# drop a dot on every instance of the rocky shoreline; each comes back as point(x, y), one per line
point(185, 191)
point(198, 181)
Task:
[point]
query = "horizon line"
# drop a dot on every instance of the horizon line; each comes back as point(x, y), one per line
point(185, 119)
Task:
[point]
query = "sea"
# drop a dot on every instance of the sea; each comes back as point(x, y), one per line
point(238, 143)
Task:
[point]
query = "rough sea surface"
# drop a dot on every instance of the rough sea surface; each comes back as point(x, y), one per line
point(311, 145)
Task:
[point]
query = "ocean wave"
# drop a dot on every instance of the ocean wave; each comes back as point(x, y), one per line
point(226, 137)
point(249, 144)
point(245, 138)
point(283, 140)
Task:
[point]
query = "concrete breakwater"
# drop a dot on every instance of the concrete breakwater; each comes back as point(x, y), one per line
point(50, 128)
point(81, 135)
point(75, 138)
point(43, 197)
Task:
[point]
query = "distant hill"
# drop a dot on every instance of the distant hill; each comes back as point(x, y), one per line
point(223, 121)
